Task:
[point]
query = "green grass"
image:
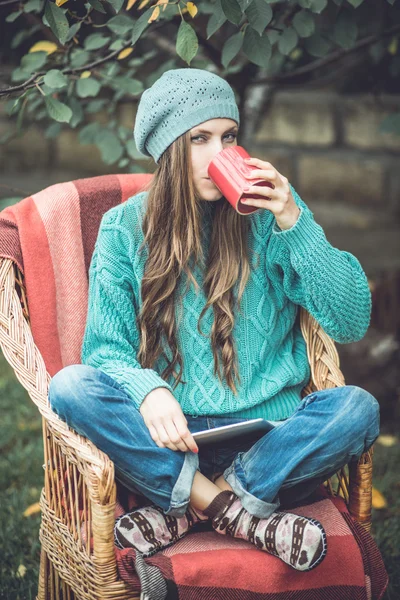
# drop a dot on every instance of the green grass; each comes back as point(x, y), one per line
point(21, 479)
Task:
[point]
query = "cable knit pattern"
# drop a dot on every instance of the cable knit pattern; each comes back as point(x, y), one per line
point(297, 266)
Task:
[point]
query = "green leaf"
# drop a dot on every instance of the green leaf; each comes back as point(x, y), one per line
point(78, 58)
point(120, 24)
point(355, 3)
point(32, 62)
point(316, 6)
point(186, 42)
point(232, 11)
point(304, 24)
point(244, 4)
point(77, 112)
point(87, 87)
point(257, 49)
point(58, 110)
point(216, 20)
point(95, 41)
point(19, 75)
point(117, 45)
point(317, 45)
point(87, 134)
point(12, 16)
point(21, 36)
point(57, 20)
point(94, 106)
point(97, 5)
point(73, 30)
point(287, 41)
point(109, 145)
point(141, 24)
point(345, 30)
point(33, 6)
point(132, 86)
point(273, 36)
point(55, 79)
point(132, 150)
point(53, 131)
point(231, 48)
point(117, 4)
point(259, 15)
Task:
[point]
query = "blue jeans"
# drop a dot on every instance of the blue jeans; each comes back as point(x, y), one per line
point(327, 430)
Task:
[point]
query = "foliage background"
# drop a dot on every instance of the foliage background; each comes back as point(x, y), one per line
point(73, 65)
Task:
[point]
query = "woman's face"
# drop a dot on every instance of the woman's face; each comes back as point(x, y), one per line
point(207, 139)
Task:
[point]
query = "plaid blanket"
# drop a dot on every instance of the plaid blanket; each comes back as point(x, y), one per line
point(50, 236)
point(207, 565)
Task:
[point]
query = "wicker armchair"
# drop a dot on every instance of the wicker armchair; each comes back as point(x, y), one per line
point(79, 493)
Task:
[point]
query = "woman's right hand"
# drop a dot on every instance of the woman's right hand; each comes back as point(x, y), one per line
point(166, 422)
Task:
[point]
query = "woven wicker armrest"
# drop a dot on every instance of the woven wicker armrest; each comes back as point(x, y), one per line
point(78, 499)
point(354, 481)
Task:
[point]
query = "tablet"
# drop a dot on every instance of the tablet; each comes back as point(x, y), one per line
point(251, 430)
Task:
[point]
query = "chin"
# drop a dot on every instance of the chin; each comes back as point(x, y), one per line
point(211, 195)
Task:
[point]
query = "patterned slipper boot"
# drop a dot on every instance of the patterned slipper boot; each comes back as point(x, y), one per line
point(149, 529)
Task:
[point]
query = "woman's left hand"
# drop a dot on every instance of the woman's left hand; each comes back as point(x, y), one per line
point(279, 199)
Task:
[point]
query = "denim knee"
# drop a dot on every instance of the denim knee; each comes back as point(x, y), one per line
point(67, 388)
point(360, 412)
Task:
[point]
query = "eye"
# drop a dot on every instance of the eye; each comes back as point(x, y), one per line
point(232, 135)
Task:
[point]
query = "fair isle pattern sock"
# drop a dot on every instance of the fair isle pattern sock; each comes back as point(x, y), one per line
point(298, 541)
point(149, 529)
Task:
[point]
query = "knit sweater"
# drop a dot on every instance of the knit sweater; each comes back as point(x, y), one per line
point(297, 267)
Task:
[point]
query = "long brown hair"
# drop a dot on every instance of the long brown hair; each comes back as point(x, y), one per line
point(173, 202)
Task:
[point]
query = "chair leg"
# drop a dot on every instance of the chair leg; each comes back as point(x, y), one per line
point(51, 586)
point(43, 587)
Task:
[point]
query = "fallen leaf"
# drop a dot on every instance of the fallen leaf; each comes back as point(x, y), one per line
point(44, 46)
point(32, 509)
point(387, 440)
point(124, 53)
point(192, 9)
point(21, 571)
point(378, 500)
point(154, 14)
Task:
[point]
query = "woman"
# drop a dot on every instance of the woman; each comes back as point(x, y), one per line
point(175, 265)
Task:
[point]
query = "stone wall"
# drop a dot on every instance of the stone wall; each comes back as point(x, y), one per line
point(327, 145)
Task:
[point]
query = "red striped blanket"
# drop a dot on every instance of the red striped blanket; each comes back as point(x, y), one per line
point(50, 236)
point(207, 565)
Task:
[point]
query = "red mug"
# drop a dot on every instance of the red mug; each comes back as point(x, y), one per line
point(228, 170)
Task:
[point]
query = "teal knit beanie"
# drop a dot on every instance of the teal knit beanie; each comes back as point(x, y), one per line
point(179, 100)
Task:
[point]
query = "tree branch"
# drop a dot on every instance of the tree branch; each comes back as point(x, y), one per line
point(321, 62)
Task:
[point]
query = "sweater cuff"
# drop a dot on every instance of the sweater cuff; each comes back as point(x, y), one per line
point(304, 237)
point(137, 383)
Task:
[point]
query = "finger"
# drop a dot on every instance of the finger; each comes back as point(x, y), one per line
point(164, 437)
point(263, 164)
point(155, 437)
point(175, 437)
point(275, 206)
point(263, 190)
point(185, 434)
point(261, 173)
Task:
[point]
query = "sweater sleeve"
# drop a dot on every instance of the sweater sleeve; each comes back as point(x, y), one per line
point(111, 338)
point(329, 283)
